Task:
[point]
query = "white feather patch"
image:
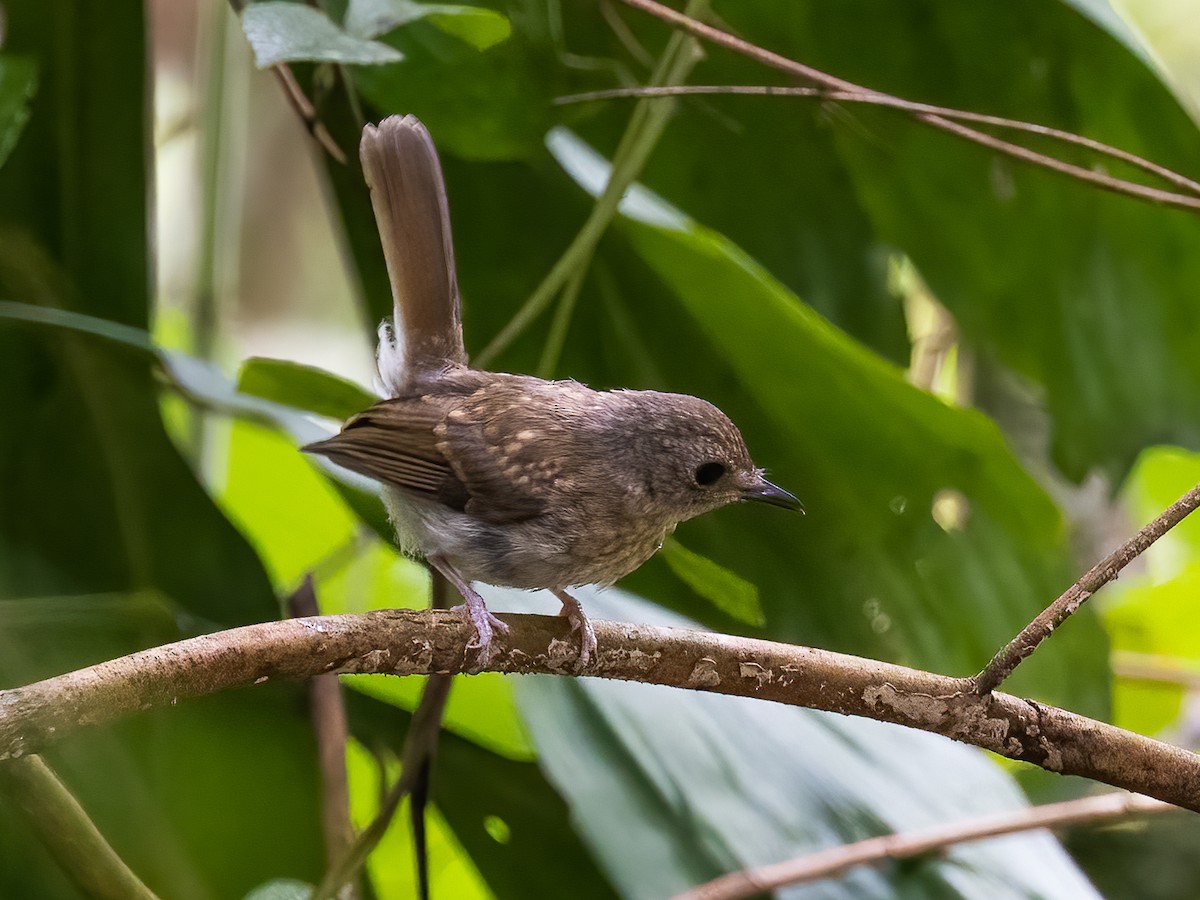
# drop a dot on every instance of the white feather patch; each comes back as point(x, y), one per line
point(389, 362)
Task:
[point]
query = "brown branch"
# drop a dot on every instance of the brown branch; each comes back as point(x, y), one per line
point(409, 642)
point(327, 708)
point(1020, 647)
point(937, 119)
point(874, 99)
point(62, 825)
point(835, 860)
point(302, 106)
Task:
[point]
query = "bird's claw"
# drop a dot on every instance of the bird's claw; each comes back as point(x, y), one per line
point(579, 621)
point(486, 627)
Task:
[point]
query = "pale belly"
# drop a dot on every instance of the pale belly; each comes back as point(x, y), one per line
point(532, 554)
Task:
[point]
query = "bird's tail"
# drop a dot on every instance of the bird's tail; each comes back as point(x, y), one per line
point(409, 197)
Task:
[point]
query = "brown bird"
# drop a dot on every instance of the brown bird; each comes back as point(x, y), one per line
point(512, 480)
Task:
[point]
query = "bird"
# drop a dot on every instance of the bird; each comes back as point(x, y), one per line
point(506, 479)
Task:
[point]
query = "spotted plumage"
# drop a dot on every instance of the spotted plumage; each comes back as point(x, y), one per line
point(510, 479)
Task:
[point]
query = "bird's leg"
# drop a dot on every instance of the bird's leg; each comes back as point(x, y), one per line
point(579, 622)
point(481, 617)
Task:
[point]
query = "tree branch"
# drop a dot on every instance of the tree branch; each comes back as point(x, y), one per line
point(409, 642)
point(937, 119)
point(1020, 647)
point(835, 860)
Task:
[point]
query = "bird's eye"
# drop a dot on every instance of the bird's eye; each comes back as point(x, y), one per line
point(709, 474)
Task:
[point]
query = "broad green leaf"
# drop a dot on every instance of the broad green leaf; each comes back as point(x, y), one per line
point(1150, 611)
point(204, 384)
point(288, 511)
point(18, 81)
point(671, 788)
point(868, 454)
point(1160, 477)
point(726, 590)
point(304, 387)
point(479, 27)
point(490, 106)
point(204, 799)
point(1155, 619)
point(198, 380)
point(392, 866)
point(1103, 14)
point(512, 823)
point(1083, 293)
point(282, 32)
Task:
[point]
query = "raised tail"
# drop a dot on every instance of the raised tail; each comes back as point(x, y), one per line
point(409, 197)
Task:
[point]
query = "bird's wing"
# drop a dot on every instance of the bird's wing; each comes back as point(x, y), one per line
point(395, 442)
point(510, 443)
point(439, 447)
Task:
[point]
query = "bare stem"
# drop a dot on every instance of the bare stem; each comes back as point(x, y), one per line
point(1019, 648)
point(835, 860)
point(332, 731)
point(55, 816)
point(646, 125)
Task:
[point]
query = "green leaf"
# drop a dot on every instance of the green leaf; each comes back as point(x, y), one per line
point(204, 384)
point(495, 105)
point(726, 590)
point(533, 854)
point(18, 81)
point(282, 889)
point(479, 27)
point(282, 32)
point(1079, 291)
point(392, 865)
point(100, 506)
point(1149, 611)
point(304, 387)
point(1160, 477)
point(868, 454)
point(1155, 619)
point(671, 788)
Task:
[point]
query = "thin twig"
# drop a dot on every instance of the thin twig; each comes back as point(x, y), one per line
point(331, 728)
point(63, 827)
point(411, 642)
point(875, 99)
point(561, 323)
point(299, 102)
point(1020, 647)
point(646, 125)
point(416, 765)
point(835, 860)
point(426, 727)
point(937, 120)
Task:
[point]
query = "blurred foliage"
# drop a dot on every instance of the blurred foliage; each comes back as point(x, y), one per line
point(751, 266)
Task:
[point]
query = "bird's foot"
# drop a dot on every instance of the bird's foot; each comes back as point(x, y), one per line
point(482, 645)
point(486, 627)
point(579, 622)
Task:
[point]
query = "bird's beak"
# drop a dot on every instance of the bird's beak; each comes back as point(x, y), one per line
point(765, 492)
